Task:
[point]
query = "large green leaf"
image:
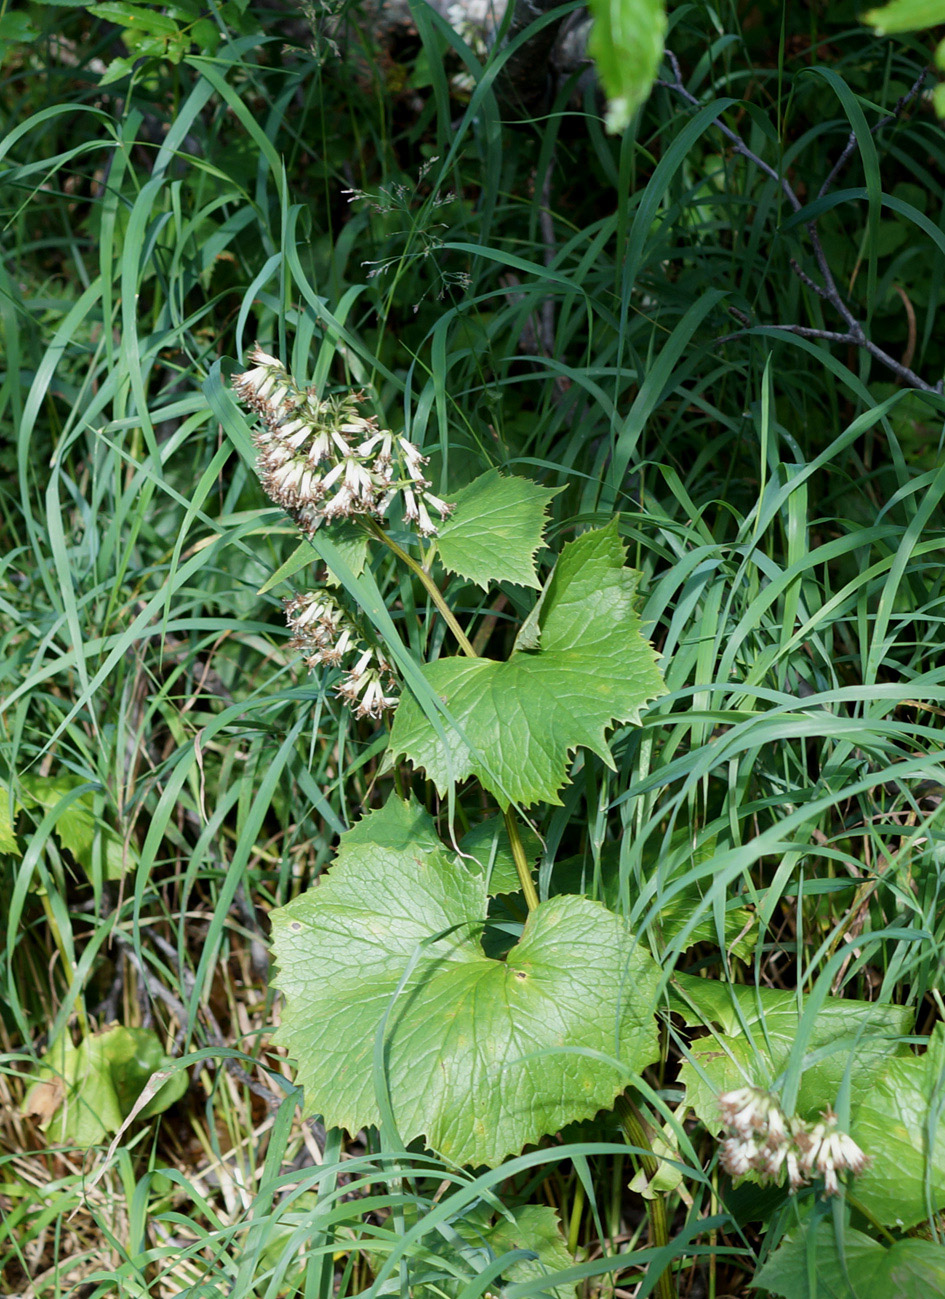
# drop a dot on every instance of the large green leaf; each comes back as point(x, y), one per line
point(496, 530)
point(481, 1056)
point(805, 1269)
point(626, 43)
point(902, 1118)
point(753, 1040)
point(522, 718)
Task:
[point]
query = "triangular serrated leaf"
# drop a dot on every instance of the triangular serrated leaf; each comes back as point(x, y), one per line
point(482, 1056)
point(496, 530)
point(524, 717)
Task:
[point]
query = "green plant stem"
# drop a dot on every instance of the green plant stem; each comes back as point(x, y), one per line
point(634, 1129)
point(577, 1212)
point(515, 839)
point(431, 587)
point(854, 1203)
point(521, 861)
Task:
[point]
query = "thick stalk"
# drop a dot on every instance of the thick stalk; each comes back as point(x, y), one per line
point(635, 1131)
point(870, 1218)
point(430, 586)
point(521, 861)
point(577, 1212)
point(515, 839)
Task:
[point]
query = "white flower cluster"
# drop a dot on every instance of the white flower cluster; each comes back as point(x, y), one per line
point(320, 459)
point(760, 1139)
point(325, 634)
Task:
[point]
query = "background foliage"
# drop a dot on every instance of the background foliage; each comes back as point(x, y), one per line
point(645, 325)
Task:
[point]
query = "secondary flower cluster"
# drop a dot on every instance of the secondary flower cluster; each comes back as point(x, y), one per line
point(759, 1138)
point(320, 459)
point(325, 634)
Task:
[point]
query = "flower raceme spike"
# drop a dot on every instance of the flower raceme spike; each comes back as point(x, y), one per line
point(364, 686)
point(325, 634)
point(826, 1152)
point(321, 459)
point(760, 1139)
point(320, 628)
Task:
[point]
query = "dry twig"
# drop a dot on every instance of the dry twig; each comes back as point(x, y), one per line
point(827, 290)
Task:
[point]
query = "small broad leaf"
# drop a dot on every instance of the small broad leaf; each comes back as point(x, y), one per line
point(534, 1227)
point(136, 19)
point(755, 1040)
point(83, 1094)
point(626, 43)
point(496, 530)
point(529, 634)
point(806, 1269)
point(481, 1055)
point(443, 1265)
point(17, 28)
point(901, 1118)
point(906, 16)
point(76, 826)
point(909, 16)
point(8, 841)
point(524, 717)
point(350, 539)
point(667, 919)
point(304, 556)
point(488, 843)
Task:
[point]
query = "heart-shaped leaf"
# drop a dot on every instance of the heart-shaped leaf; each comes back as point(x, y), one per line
point(901, 1119)
point(866, 1269)
point(758, 1030)
point(481, 1055)
point(522, 718)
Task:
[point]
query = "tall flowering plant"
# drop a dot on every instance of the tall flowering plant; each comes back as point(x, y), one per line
point(558, 1028)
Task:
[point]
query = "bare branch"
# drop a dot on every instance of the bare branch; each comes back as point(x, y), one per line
point(828, 290)
point(850, 145)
